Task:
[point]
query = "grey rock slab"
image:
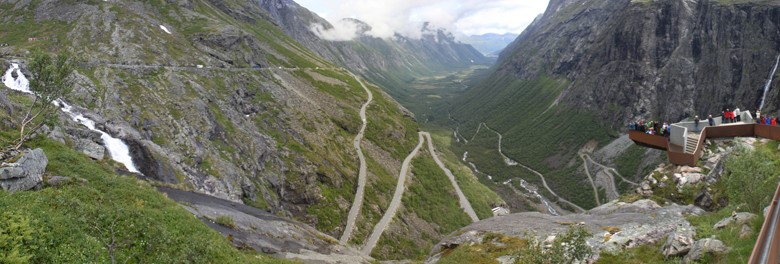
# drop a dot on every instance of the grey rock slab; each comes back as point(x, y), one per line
point(736, 218)
point(26, 173)
point(704, 246)
point(679, 242)
point(57, 134)
point(641, 222)
point(266, 232)
point(745, 231)
point(56, 181)
point(90, 148)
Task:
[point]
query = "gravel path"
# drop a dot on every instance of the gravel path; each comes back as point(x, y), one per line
point(464, 203)
point(358, 202)
point(394, 204)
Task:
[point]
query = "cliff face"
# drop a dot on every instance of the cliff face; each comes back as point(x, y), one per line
point(585, 68)
point(665, 59)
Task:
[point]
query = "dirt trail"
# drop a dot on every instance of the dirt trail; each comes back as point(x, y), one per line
point(395, 203)
point(358, 202)
point(464, 203)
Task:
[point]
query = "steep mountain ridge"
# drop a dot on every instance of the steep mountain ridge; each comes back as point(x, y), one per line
point(587, 67)
point(666, 59)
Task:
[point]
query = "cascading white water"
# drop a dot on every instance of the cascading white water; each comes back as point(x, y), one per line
point(546, 203)
point(20, 83)
point(769, 82)
point(117, 149)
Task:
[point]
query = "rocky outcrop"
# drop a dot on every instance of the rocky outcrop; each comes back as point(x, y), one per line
point(150, 165)
point(735, 219)
point(24, 174)
point(266, 232)
point(704, 246)
point(90, 148)
point(679, 242)
point(632, 224)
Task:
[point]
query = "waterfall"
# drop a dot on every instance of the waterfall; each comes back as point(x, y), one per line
point(117, 149)
point(769, 82)
point(550, 209)
point(20, 83)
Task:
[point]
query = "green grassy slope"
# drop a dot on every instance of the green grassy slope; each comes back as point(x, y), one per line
point(78, 222)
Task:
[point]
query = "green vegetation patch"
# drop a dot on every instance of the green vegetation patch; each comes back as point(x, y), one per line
point(482, 199)
point(109, 217)
point(755, 171)
point(432, 197)
point(566, 248)
point(536, 132)
point(740, 248)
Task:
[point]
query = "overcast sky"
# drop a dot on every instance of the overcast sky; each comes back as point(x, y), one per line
point(469, 17)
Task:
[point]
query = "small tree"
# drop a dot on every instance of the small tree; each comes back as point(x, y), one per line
point(50, 80)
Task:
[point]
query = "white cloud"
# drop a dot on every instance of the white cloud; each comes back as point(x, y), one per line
point(406, 16)
point(342, 30)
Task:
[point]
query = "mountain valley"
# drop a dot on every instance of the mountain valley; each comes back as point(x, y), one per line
point(288, 144)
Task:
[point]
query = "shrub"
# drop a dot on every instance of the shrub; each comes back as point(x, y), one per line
point(751, 178)
point(17, 234)
point(568, 248)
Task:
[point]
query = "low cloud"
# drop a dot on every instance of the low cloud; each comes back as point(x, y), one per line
point(405, 17)
point(343, 30)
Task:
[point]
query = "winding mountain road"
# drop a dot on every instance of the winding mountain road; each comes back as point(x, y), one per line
point(464, 203)
point(358, 202)
point(590, 179)
point(511, 162)
point(610, 169)
point(380, 227)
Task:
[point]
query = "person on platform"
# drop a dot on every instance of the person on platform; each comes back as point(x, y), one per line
point(710, 120)
point(696, 123)
point(737, 114)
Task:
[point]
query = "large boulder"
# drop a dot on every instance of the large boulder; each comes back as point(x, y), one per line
point(24, 174)
point(704, 246)
point(57, 134)
point(679, 242)
point(703, 199)
point(91, 148)
point(735, 218)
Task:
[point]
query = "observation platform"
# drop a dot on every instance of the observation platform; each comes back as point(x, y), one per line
point(684, 146)
point(685, 143)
